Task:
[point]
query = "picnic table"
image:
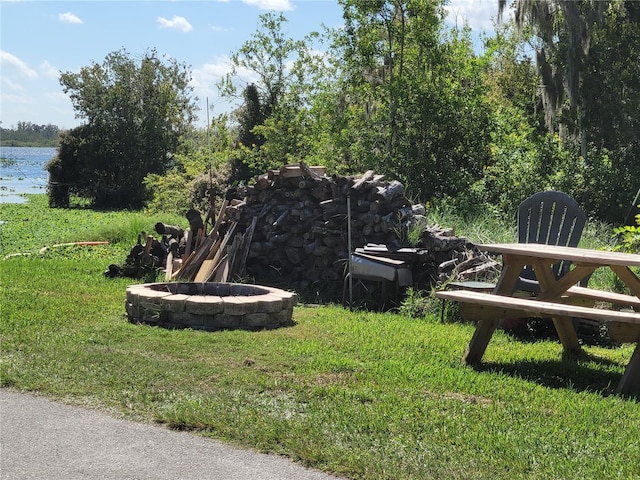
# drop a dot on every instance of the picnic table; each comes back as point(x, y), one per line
point(559, 299)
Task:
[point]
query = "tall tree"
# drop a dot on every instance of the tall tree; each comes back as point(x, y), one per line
point(564, 30)
point(414, 95)
point(136, 113)
point(250, 115)
point(587, 57)
point(285, 74)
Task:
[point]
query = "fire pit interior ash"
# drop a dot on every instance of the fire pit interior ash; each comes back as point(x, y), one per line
point(209, 306)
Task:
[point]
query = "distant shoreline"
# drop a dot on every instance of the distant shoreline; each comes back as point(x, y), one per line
point(15, 143)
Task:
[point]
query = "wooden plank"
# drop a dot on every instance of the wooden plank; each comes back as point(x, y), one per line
point(623, 332)
point(496, 304)
point(602, 296)
point(382, 260)
point(189, 272)
point(551, 289)
point(222, 270)
point(486, 326)
point(188, 241)
point(185, 263)
point(216, 226)
point(508, 279)
point(248, 238)
point(221, 253)
point(211, 215)
point(297, 170)
point(480, 340)
point(205, 270)
point(209, 263)
point(579, 256)
point(199, 238)
point(168, 270)
point(148, 244)
point(628, 277)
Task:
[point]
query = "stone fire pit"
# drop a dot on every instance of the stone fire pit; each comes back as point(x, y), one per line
point(209, 306)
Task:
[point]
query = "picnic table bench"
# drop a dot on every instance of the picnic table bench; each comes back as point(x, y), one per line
point(559, 299)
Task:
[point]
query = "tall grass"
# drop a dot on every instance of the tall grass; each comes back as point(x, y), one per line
point(495, 228)
point(29, 227)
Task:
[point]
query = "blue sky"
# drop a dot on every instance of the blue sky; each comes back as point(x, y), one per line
point(38, 39)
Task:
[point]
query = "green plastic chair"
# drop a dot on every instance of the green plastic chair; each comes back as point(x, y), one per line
point(551, 218)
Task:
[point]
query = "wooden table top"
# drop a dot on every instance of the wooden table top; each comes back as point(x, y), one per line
point(574, 254)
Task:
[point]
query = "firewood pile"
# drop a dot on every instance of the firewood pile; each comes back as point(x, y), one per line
point(303, 226)
point(298, 218)
point(291, 228)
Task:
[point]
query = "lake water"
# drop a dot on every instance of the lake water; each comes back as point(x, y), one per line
point(22, 171)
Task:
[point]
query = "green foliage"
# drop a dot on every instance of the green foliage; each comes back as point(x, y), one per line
point(199, 177)
point(271, 132)
point(413, 105)
point(397, 93)
point(137, 113)
point(250, 115)
point(628, 237)
point(586, 57)
point(194, 182)
point(393, 91)
point(419, 304)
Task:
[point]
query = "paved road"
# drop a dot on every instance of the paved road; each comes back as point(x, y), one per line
point(44, 440)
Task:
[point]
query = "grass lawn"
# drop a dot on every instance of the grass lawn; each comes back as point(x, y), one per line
point(361, 395)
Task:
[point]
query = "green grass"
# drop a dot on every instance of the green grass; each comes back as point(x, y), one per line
point(361, 395)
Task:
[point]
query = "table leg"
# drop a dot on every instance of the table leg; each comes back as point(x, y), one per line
point(628, 277)
point(485, 328)
point(567, 334)
point(564, 325)
point(630, 382)
point(479, 341)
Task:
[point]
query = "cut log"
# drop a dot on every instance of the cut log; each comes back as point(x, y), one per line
point(170, 230)
point(368, 175)
point(301, 170)
point(391, 191)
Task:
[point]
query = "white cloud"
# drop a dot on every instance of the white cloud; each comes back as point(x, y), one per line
point(204, 82)
point(279, 5)
point(17, 105)
point(49, 70)
point(176, 23)
point(11, 62)
point(205, 78)
point(213, 71)
point(220, 29)
point(69, 18)
point(11, 85)
point(479, 14)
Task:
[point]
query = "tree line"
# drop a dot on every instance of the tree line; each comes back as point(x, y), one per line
point(552, 102)
point(27, 134)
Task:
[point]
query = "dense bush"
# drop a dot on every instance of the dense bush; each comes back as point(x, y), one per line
point(137, 113)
